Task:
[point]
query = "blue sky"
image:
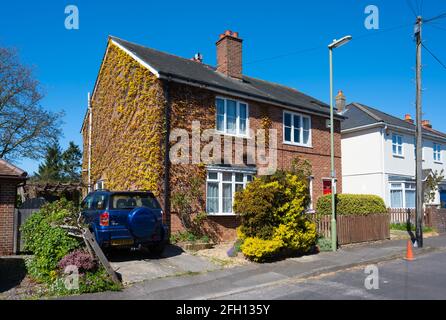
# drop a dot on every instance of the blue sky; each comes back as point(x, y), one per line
point(376, 68)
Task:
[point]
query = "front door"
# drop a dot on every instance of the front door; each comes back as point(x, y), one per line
point(443, 199)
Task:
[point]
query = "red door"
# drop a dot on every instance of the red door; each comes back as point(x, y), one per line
point(327, 187)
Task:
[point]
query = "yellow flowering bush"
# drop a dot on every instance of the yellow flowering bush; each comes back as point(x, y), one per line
point(272, 211)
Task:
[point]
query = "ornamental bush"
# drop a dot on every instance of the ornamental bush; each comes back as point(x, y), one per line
point(273, 221)
point(48, 242)
point(79, 258)
point(352, 204)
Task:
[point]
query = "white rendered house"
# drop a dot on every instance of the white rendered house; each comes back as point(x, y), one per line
point(378, 155)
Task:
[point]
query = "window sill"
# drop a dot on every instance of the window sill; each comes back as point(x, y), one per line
point(308, 146)
point(221, 214)
point(438, 162)
point(398, 156)
point(232, 135)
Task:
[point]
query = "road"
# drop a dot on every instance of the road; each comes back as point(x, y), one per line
point(424, 278)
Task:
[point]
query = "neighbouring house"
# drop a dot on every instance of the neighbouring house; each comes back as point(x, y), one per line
point(11, 177)
point(141, 95)
point(378, 155)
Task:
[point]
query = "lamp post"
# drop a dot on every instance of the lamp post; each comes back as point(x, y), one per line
point(335, 44)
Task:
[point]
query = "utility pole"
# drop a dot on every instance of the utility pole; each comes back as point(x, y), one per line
point(419, 138)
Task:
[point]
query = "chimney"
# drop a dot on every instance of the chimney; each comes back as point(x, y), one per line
point(229, 54)
point(426, 124)
point(408, 118)
point(340, 101)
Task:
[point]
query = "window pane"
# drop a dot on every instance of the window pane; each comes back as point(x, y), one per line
point(394, 147)
point(231, 117)
point(227, 198)
point(396, 198)
point(297, 123)
point(287, 121)
point(220, 122)
point(227, 176)
point(288, 134)
point(306, 123)
point(220, 115)
point(249, 178)
point(212, 175)
point(394, 139)
point(296, 135)
point(243, 111)
point(238, 187)
point(400, 150)
point(239, 177)
point(243, 115)
point(410, 199)
point(400, 140)
point(212, 198)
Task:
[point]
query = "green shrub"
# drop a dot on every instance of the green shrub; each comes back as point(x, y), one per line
point(324, 244)
point(352, 204)
point(48, 242)
point(273, 221)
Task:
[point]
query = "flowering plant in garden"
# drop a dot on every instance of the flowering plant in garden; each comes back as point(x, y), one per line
point(79, 258)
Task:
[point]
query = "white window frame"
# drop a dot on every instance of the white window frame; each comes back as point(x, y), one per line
point(437, 153)
point(397, 145)
point(220, 182)
point(309, 144)
point(403, 189)
point(237, 124)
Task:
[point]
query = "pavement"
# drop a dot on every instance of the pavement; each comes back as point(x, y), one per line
point(422, 279)
point(138, 266)
point(235, 282)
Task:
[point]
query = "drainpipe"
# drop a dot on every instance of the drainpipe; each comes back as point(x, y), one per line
point(383, 162)
point(167, 112)
point(90, 120)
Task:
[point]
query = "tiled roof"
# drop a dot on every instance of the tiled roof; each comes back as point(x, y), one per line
point(10, 171)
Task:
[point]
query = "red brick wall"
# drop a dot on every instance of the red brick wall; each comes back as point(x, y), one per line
point(198, 104)
point(8, 193)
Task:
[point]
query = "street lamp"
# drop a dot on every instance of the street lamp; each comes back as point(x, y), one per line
point(335, 44)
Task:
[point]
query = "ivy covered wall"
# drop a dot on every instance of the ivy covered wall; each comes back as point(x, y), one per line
point(128, 126)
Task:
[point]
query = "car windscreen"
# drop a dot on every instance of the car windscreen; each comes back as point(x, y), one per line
point(130, 201)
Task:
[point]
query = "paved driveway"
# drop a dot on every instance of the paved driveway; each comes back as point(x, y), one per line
point(137, 266)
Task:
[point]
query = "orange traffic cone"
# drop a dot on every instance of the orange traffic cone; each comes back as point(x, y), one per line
point(409, 253)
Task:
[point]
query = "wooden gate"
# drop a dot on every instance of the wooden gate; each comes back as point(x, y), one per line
point(20, 216)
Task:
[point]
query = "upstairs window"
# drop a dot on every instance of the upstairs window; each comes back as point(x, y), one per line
point(296, 129)
point(437, 152)
point(232, 117)
point(397, 145)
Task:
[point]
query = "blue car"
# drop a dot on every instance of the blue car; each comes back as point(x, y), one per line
point(125, 219)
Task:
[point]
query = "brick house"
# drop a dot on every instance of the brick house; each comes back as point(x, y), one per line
point(141, 95)
point(10, 178)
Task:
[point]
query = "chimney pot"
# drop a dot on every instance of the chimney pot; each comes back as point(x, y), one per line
point(426, 124)
point(408, 118)
point(340, 101)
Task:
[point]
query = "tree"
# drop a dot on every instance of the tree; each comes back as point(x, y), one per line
point(72, 162)
point(431, 185)
point(26, 129)
point(51, 169)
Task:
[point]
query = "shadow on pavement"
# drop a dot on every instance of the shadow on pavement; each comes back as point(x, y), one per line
point(12, 272)
point(124, 255)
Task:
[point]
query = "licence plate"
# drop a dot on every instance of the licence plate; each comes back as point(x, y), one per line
point(122, 242)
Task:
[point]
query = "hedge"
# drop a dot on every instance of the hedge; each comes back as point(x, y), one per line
point(352, 204)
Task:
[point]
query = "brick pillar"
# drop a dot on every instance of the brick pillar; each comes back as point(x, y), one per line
point(8, 194)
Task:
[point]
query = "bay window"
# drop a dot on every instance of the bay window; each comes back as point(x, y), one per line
point(220, 190)
point(402, 195)
point(232, 117)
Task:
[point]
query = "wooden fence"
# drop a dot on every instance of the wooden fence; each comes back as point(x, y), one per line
point(356, 229)
point(431, 218)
